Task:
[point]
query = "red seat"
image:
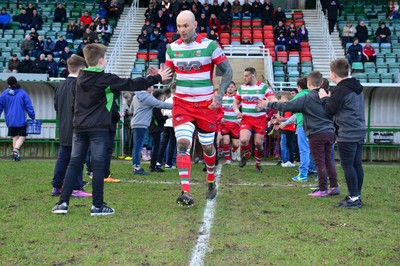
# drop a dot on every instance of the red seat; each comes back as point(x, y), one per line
point(257, 23)
point(305, 57)
point(268, 28)
point(282, 56)
point(169, 36)
point(269, 35)
point(225, 28)
point(298, 22)
point(235, 38)
point(287, 23)
point(246, 23)
point(153, 55)
point(297, 15)
point(235, 23)
point(235, 31)
point(142, 55)
point(225, 41)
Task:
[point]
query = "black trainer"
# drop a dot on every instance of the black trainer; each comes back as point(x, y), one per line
point(211, 191)
point(156, 169)
point(243, 161)
point(258, 169)
point(350, 204)
point(139, 171)
point(185, 200)
point(103, 210)
point(60, 208)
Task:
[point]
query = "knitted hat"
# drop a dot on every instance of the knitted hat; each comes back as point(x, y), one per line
point(12, 81)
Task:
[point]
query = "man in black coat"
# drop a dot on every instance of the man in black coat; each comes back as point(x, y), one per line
point(362, 31)
point(383, 34)
point(333, 9)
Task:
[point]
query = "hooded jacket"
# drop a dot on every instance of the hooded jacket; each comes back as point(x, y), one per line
point(95, 94)
point(315, 119)
point(346, 104)
point(142, 109)
point(16, 103)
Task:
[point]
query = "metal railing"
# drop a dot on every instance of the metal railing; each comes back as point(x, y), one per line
point(116, 55)
point(323, 21)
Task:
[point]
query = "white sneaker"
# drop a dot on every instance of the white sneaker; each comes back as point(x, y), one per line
point(290, 164)
point(234, 156)
point(285, 164)
point(228, 162)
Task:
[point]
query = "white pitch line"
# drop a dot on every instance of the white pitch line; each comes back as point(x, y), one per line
point(200, 250)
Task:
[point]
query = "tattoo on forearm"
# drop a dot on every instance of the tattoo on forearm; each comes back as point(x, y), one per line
point(227, 76)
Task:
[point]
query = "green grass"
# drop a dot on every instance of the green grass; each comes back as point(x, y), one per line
point(268, 221)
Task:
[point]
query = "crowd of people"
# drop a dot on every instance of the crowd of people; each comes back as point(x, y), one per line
point(88, 29)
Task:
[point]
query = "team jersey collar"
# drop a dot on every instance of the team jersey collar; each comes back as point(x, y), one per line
point(198, 39)
point(94, 69)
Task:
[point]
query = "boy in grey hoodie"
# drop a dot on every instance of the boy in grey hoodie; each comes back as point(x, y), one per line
point(142, 109)
point(318, 126)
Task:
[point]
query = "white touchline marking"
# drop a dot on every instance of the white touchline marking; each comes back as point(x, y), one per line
point(200, 250)
point(254, 184)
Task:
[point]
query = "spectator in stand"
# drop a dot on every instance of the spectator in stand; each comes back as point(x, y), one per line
point(155, 38)
point(39, 65)
point(150, 12)
point(64, 57)
point(51, 66)
point(38, 48)
point(37, 20)
point(72, 30)
point(114, 10)
point(81, 46)
point(81, 30)
point(199, 6)
point(213, 35)
point(207, 11)
point(171, 23)
point(60, 13)
point(280, 43)
point(147, 26)
point(34, 35)
point(5, 19)
point(214, 23)
point(162, 49)
point(162, 19)
point(361, 31)
point(144, 40)
point(226, 4)
point(86, 18)
point(96, 20)
point(27, 46)
point(291, 29)
point(236, 9)
point(268, 13)
point(246, 9)
point(369, 52)
point(102, 12)
point(26, 65)
point(225, 19)
point(13, 64)
point(394, 11)
point(202, 24)
point(303, 33)
point(354, 52)
point(30, 9)
point(383, 34)
point(104, 30)
point(184, 5)
point(91, 26)
point(17, 11)
point(215, 8)
point(174, 7)
point(349, 32)
point(333, 8)
point(280, 28)
point(293, 43)
point(246, 41)
point(89, 35)
point(195, 11)
point(279, 16)
point(24, 20)
point(60, 46)
point(49, 46)
point(257, 9)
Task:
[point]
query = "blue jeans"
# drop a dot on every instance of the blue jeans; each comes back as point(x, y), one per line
point(350, 159)
point(138, 140)
point(64, 156)
point(81, 141)
point(306, 161)
point(284, 149)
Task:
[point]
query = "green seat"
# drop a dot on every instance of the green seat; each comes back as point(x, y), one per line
point(357, 66)
point(381, 68)
point(292, 66)
point(374, 78)
point(362, 77)
point(387, 78)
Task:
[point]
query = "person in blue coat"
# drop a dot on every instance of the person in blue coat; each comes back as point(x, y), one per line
point(5, 19)
point(16, 103)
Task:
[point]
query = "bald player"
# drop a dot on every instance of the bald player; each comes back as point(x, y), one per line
point(192, 58)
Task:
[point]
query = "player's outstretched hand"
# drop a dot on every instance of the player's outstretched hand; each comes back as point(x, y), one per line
point(217, 101)
point(261, 104)
point(322, 94)
point(166, 74)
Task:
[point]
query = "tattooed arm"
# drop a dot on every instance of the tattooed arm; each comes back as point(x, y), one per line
point(227, 75)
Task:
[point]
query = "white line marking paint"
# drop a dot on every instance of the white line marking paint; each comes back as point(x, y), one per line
point(200, 250)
